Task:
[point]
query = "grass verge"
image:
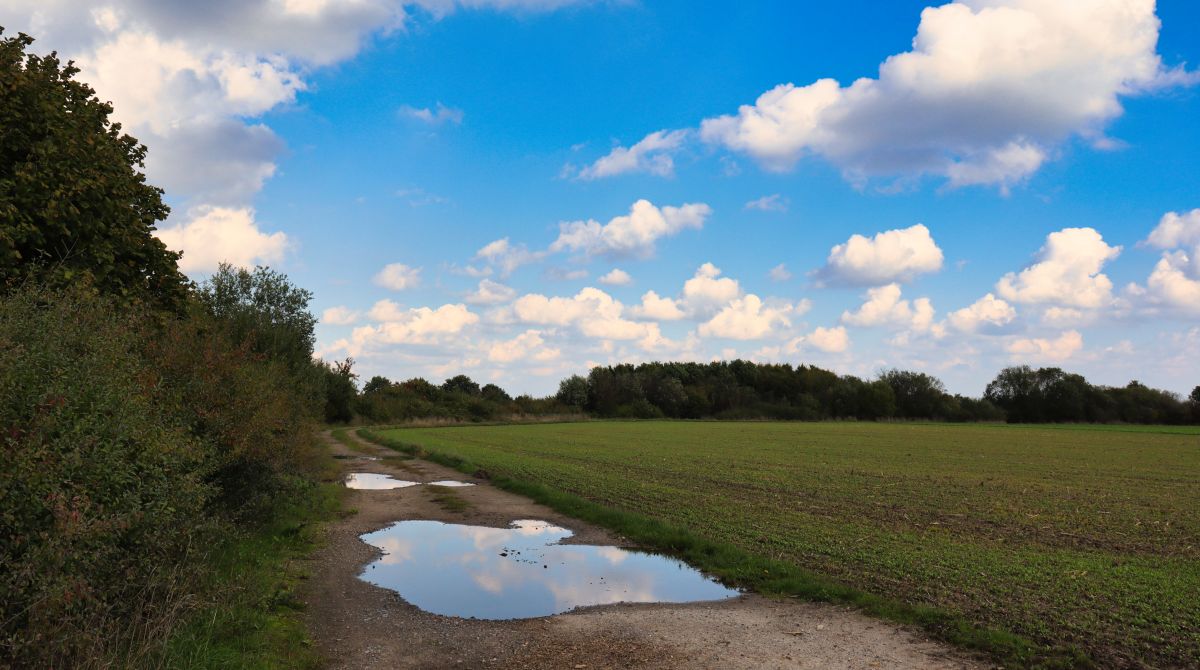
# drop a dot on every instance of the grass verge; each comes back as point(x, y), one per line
point(253, 617)
point(763, 575)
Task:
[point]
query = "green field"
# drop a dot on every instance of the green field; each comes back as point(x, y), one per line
point(1084, 541)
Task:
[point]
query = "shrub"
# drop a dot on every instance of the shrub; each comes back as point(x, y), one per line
point(101, 499)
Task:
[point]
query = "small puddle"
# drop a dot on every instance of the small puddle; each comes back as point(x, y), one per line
point(450, 482)
point(522, 572)
point(352, 457)
point(375, 482)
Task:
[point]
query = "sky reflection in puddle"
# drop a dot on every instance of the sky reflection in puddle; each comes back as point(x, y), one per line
point(521, 571)
point(375, 482)
point(450, 482)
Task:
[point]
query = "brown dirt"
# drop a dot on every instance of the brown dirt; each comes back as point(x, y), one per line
point(358, 625)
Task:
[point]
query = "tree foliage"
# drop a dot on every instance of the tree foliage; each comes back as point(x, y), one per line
point(1030, 395)
point(75, 207)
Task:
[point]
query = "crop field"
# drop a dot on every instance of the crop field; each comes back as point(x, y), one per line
point(1084, 541)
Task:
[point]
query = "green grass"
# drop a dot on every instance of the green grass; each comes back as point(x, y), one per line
point(252, 618)
point(1053, 545)
point(448, 499)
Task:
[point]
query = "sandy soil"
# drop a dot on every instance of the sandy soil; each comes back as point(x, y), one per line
point(357, 625)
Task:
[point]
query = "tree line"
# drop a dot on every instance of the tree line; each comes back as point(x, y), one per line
point(746, 390)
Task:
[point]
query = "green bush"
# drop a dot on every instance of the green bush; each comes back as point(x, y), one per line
point(133, 443)
point(101, 499)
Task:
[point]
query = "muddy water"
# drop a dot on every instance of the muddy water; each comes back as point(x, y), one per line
point(375, 482)
point(522, 571)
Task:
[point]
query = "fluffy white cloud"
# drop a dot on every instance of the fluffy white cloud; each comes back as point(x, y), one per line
point(989, 87)
point(420, 325)
point(527, 345)
point(884, 307)
point(1043, 350)
point(507, 256)
point(397, 277)
point(989, 313)
point(1067, 272)
point(769, 203)
point(592, 311)
point(386, 310)
point(1175, 281)
point(1175, 230)
point(213, 235)
point(434, 116)
point(491, 293)
point(779, 273)
point(652, 154)
point(616, 277)
point(747, 319)
point(707, 290)
point(830, 340)
point(657, 308)
point(339, 316)
point(634, 234)
point(891, 256)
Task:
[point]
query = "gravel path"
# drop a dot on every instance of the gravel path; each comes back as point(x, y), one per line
point(357, 625)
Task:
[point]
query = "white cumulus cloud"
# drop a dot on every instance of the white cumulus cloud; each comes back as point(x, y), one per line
point(707, 290)
point(633, 234)
point(989, 88)
point(780, 273)
point(339, 316)
point(891, 256)
point(989, 313)
point(527, 345)
point(592, 311)
point(1176, 230)
point(747, 318)
point(421, 325)
point(491, 293)
point(210, 236)
point(1040, 349)
point(652, 154)
point(657, 308)
point(829, 340)
point(1067, 272)
point(397, 277)
point(616, 277)
point(884, 307)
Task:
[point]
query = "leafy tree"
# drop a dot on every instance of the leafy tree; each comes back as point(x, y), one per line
point(461, 384)
point(918, 395)
point(573, 391)
point(1195, 395)
point(495, 394)
point(376, 384)
point(75, 207)
point(265, 310)
point(339, 390)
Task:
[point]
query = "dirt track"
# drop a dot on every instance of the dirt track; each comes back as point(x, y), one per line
point(358, 625)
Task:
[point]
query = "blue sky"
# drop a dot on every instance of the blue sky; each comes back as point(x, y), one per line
point(1021, 177)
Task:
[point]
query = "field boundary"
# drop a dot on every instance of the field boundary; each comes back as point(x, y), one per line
point(766, 576)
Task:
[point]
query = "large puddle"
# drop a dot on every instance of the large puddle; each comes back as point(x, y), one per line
point(522, 571)
point(375, 482)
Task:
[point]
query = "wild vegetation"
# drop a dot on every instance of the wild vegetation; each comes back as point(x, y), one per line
point(457, 399)
point(152, 431)
point(1044, 545)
